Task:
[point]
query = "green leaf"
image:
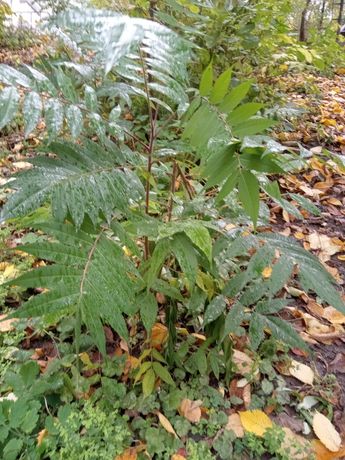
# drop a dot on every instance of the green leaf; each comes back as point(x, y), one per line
point(90, 99)
point(284, 332)
point(200, 237)
point(74, 119)
point(233, 99)
point(82, 180)
point(221, 87)
point(233, 319)
point(163, 373)
point(148, 382)
point(248, 192)
point(243, 113)
point(186, 255)
point(32, 109)
point(215, 309)
point(253, 126)
point(306, 204)
point(206, 81)
point(102, 293)
point(229, 185)
point(142, 369)
point(256, 330)
point(54, 114)
point(157, 260)
point(11, 76)
point(9, 100)
point(148, 310)
point(12, 449)
point(220, 165)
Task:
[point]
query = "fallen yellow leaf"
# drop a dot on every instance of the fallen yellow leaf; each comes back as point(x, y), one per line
point(325, 431)
point(255, 421)
point(166, 424)
point(322, 453)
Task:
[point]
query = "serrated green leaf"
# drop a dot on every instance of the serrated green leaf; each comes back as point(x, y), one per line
point(32, 109)
point(215, 309)
point(148, 310)
point(256, 330)
point(283, 331)
point(148, 382)
point(221, 87)
point(11, 76)
point(9, 100)
point(248, 192)
point(206, 81)
point(201, 238)
point(163, 373)
point(186, 256)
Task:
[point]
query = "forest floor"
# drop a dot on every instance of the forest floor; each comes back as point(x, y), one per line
point(321, 127)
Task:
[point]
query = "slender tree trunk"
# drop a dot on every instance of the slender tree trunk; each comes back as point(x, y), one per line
point(341, 12)
point(303, 26)
point(322, 13)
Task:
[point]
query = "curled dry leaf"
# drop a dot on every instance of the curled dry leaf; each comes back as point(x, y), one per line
point(255, 421)
point(191, 410)
point(325, 431)
point(159, 335)
point(234, 424)
point(301, 372)
point(166, 424)
point(324, 245)
point(334, 316)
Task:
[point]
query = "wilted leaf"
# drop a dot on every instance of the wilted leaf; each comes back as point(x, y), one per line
point(324, 244)
point(159, 335)
point(325, 431)
point(6, 325)
point(191, 410)
point(255, 421)
point(166, 424)
point(41, 435)
point(322, 453)
point(243, 362)
point(301, 372)
point(234, 424)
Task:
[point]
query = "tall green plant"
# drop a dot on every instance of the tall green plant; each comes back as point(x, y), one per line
point(120, 230)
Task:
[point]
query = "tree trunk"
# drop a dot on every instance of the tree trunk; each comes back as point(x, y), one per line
point(341, 12)
point(303, 26)
point(322, 13)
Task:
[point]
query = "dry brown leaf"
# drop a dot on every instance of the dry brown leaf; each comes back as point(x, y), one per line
point(7, 325)
point(234, 424)
point(325, 431)
point(191, 410)
point(166, 424)
point(243, 362)
point(297, 447)
point(247, 396)
point(334, 316)
point(255, 421)
point(301, 372)
point(128, 454)
point(159, 335)
point(41, 435)
point(322, 453)
point(324, 244)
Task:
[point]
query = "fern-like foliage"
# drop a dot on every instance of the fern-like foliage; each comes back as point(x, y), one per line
point(91, 278)
point(80, 180)
point(311, 273)
point(126, 56)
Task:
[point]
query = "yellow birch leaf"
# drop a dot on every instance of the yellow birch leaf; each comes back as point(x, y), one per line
point(166, 424)
point(255, 421)
point(325, 431)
